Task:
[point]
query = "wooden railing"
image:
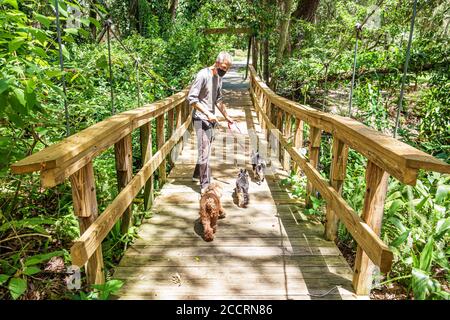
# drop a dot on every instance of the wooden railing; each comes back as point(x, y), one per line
point(72, 158)
point(386, 156)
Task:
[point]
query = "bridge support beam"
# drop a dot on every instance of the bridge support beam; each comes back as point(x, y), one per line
point(298, 140)
point(146, 154)
point(161, 139)
point(288, 135)
point(170, 123)
point(337, 175)
point(124, 169)
point(84, 198)
point(376, 188)
point(315, 135)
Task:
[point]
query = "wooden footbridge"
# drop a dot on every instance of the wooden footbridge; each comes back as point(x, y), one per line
point(269, 250)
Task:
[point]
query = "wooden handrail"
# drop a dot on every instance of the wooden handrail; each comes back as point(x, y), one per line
point(385, 155)
point(62, 159)
point(360, 231)
point(91, 239)
point(72, 158)
point(398, 158)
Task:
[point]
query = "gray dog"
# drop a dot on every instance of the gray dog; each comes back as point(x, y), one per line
point(242, 188)
point(258, 165)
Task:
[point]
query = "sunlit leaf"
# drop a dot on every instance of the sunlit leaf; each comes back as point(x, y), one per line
point(4, 85)
point(400, 239)
point(15, 44)
point(395, 205)
point(3, 278)
point(442, 192)
point(13, 3)
point(426, 255)
point(42, 19)
point(29, 271)
point(39, 258)
point(17, 286)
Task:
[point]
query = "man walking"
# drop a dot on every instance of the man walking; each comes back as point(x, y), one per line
point(205, 94)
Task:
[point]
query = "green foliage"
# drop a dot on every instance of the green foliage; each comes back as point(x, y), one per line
point(370, 107)
point(101, 291)
point(32, 114)
point(18, 271)
point(417, 226)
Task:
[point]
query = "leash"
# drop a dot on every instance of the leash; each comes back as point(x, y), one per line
point(232, 133)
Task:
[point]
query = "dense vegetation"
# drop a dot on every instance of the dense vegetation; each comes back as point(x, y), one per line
point(309, 60)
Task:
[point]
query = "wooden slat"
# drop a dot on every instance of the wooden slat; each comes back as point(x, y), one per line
point(395, 157)
point(298, 139)
point(378, 252)
point(337, 175)
point(217, 271)
point(86, 245)
point(376, 189)
point(84, 196)
point(97, 137)
point(146, 155)
point(160, 138)
point(232, 261)
point(85, 208)
point(170, 123)
point(287, 133)
point(315, 135)
point(124, 169)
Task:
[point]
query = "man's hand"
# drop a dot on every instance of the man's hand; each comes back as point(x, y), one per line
point(211, 117)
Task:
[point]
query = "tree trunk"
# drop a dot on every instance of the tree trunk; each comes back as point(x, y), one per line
point(255, 53)
point(93, 15)
point(266, 60)
point(306, 10)
point(173, 9)
point(133, 15)
point(286, 6)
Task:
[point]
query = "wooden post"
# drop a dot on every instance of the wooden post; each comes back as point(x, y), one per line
point(85, 208)
point(270, 113)
point(124, 169)
point(287, 134)
point(298, 140)
point(146, 154)
point(188, 110)
point(265, 107)
point(376, 188)
point(178, 113)
point(170, 122)
point(261, 100)
point(279, 126)
point(161, 140)
point(315, 135)
point(337, 175)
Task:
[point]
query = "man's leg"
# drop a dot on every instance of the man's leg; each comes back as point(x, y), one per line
point(198, 134)
point(203, 147)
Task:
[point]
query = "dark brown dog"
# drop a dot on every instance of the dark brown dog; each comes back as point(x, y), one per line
point(211, 210)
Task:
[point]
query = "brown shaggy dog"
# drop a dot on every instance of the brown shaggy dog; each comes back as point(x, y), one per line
point(211, 210)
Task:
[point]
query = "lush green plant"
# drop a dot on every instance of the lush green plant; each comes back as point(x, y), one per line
point(417, 227)
point(17, 271)
point(100, 292)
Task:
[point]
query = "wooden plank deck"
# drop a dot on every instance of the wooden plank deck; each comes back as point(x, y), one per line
point(266, 251)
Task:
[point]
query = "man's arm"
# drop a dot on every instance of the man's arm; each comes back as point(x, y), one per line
point(199, 107)
point(223, 110)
